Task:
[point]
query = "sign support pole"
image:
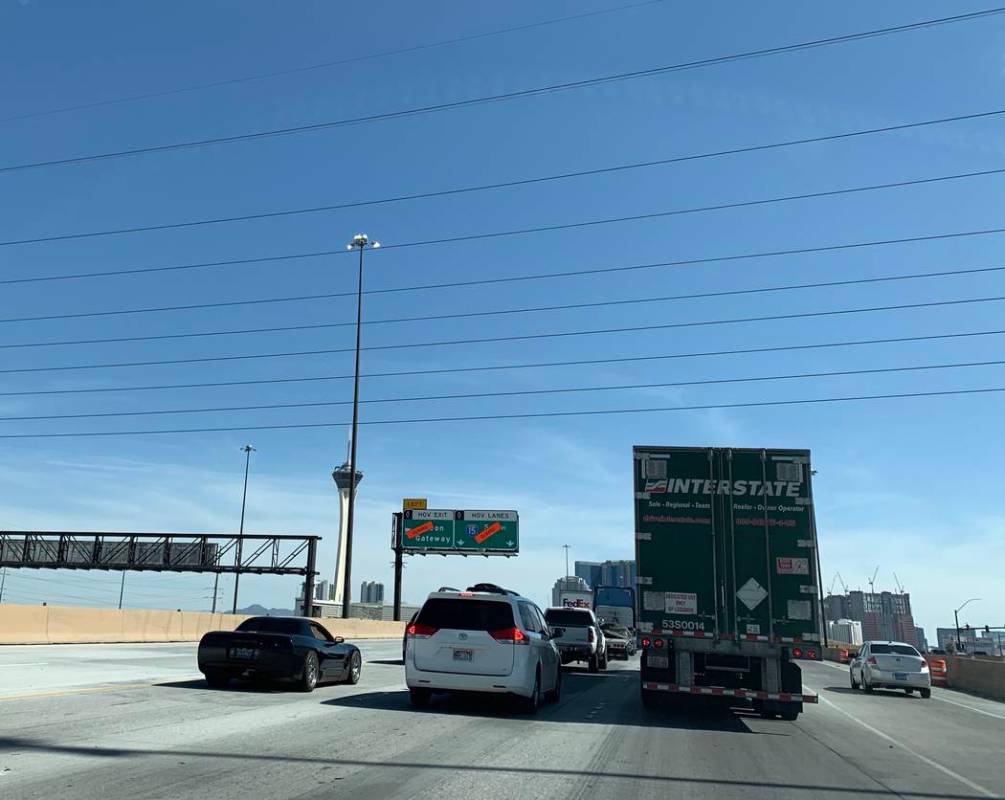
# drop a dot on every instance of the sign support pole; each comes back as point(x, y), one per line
point(397, 568)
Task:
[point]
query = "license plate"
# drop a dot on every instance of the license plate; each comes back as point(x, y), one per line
point(243, 652)
point(658, 662)
point(900, 676)
point(462, 655)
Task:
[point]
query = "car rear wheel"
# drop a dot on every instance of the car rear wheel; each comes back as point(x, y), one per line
point(419, 697)
point(355, 668)
point(594, 663)
point(532, 703)
point(309, 677)
point(851, 676)
point(556, 694)
point(217, 679)
point(866, 685)
point(926, 693)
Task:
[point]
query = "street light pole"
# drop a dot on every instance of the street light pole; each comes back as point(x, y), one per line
point(248, 450)
point(566, 548)
point(956, 615)
point(359, 242)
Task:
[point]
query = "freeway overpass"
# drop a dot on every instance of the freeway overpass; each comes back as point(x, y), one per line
point(104, 722)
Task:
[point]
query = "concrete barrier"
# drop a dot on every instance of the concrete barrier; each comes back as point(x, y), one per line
point(983, 677)
point(72, 625)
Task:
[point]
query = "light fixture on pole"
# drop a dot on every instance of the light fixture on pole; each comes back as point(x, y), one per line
point(359, 242)
point(956, 615)
point(248, 450)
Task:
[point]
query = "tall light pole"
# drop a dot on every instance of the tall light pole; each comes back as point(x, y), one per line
point(359, 242)
point(248, 450)
point(956, 614)
point(566, 548)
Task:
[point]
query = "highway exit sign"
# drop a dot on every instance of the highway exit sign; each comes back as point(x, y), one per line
point(460, 532)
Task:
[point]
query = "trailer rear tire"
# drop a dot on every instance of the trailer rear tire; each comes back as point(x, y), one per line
point(790, 714)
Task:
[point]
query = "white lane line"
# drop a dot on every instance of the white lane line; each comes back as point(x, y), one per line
point(970, 708)
point(934, 764)
point(26, 664)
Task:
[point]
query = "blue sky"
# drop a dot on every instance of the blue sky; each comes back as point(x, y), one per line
point(910, 485)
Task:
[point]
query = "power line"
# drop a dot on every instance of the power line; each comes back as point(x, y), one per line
point(462, 315)
point(500, 367)
point(513, 393)
point(508, 278)
point(322, 65)
point(505, 96)
point(512, 338)
point(528, 415)
point(426, 195)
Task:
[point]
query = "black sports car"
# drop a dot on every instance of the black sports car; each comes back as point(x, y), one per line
point(293, 649)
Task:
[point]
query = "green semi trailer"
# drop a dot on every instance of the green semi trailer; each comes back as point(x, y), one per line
point(728, 575)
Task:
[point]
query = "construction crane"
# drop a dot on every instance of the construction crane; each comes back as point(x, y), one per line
point(838, 578)
point(872, 580)
point(896, 580)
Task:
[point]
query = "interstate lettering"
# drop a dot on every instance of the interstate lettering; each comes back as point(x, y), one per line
point(735, 488)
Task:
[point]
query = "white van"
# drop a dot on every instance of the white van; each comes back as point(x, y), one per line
point(485, 639)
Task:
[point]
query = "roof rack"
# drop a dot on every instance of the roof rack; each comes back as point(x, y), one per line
point(491, 588)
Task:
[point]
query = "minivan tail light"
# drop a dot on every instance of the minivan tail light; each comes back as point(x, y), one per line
point(512, 635)
point(420, 631)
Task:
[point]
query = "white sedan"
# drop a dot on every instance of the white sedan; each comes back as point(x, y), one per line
point(890, 665)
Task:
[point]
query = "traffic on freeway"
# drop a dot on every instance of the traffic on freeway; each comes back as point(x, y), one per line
point(97, 722)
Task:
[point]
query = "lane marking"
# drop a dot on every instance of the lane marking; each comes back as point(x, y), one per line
point(844, 668)
point(971, 708)
point(934, 764)
point(25, 664)
point(68, 692)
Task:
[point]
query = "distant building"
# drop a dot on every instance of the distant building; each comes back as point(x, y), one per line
point(607, 573)
point(589, 571)
point(883, 615)
point(846, 631)
point(572, 583)
point(371, 592)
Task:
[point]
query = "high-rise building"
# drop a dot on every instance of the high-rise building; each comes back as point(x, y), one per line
point(589, 571)
point(607, 573)
point(371, 592)
point(884, 615)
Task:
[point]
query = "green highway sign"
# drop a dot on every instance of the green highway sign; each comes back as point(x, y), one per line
point(463, 532)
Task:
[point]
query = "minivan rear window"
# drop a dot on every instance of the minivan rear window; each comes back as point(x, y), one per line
point(895, 649)
point(567, 616)
point(466, 615)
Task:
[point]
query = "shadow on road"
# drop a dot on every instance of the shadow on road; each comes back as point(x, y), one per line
point(392, 661)
point(21, 745)
point(889, 693)
point(587, 698)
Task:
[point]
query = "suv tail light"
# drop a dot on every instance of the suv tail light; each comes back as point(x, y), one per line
point(646, 641)
point(657, 643)
point(420, 631)
point(797, 652)
point(871, 660)
point(590, 635)
point(512, 635)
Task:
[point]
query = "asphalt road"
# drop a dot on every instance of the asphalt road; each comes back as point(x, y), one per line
point(89, 722)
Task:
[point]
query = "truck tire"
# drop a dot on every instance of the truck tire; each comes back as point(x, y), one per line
point(649, 698)
point(594, 663)
point(925, 693)
point(603, 661)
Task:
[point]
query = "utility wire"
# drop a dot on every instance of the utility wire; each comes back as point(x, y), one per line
point(505, 96)
point(512, 338)
point(461, 315)
point(499, 367)
point(514, 393)
point(425, 195)
point(528, 415)
point(324, 64)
